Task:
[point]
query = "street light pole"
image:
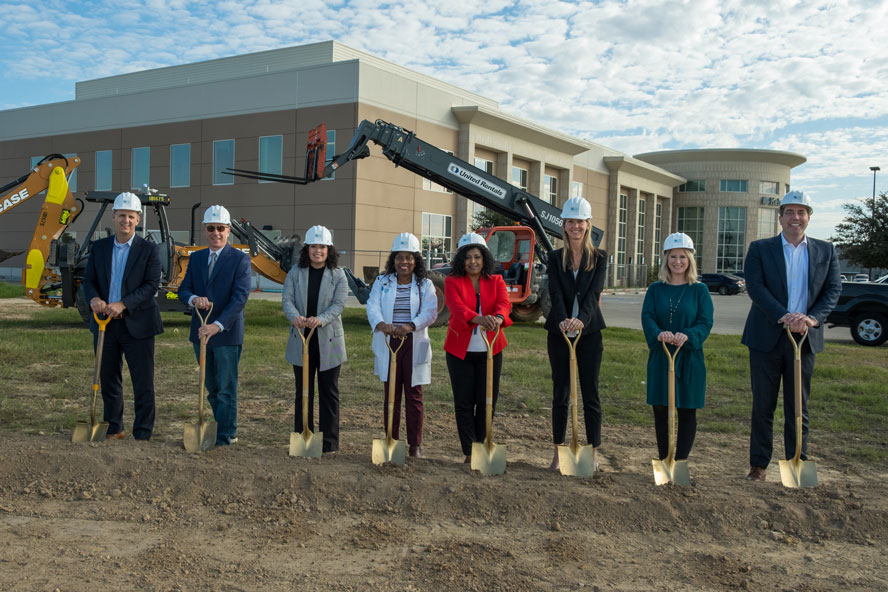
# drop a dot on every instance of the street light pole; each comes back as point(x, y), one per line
point(874, 169)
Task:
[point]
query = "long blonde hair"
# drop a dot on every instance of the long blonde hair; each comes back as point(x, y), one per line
point(690, 273)
point(589, 249)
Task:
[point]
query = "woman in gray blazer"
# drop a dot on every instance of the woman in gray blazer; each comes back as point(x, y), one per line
point(314, 296)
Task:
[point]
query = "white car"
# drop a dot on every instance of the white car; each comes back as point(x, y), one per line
point(861, 277)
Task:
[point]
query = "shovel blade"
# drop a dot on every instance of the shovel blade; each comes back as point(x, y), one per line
point(309, 444)
point(675, 472)
point(581, 464)
point(490, 461)
point(799, 474)
point(393, 452)
point(200, 436)
point(87, 432)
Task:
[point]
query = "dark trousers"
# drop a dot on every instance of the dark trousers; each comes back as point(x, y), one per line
point(412, 396)
point(588, 365)
point(766, 370)
point(687, 431)
point(328, 398)
point(140, 360)
point(468, 379)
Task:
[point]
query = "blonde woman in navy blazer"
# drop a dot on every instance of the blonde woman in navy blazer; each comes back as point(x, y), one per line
point(576, 277)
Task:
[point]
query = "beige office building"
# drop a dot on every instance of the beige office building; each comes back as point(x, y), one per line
point(731, 198)
point(177, 129)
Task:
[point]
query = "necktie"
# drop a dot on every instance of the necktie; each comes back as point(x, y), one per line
point(212, 263)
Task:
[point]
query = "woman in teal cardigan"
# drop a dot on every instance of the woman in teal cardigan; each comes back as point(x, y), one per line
point(677, 310)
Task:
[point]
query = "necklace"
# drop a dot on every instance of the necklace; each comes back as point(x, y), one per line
point(673, 308)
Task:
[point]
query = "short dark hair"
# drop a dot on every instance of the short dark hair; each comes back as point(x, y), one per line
point(459, 262)
point(419, 268)
point(332, 257)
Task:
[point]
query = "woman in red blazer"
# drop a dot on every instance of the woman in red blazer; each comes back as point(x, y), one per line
point(477, 300)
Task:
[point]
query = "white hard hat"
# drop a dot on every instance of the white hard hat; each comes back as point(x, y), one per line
point(127, 201)
point(678, 240)
point(319, 235)
point(406, 242)
point(216, 215)
point(576, 208)
point(472, 238)
point(797, 198)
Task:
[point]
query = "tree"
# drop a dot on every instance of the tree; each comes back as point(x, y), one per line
point(862, 236)
point(486, 218)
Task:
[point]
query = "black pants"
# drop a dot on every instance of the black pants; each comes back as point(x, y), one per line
point(687, 431)
point(328, 398)
point(140, 360)
point(468, 379)
point(766, 371)
point(589, 351)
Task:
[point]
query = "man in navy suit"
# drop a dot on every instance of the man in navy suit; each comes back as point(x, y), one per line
point(121, 280)
point(792, 280)
point(219, 275)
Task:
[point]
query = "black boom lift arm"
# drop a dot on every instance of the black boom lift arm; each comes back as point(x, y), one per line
point(406, 150)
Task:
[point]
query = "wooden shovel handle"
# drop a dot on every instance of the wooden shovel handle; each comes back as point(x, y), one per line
point(670, 385)
point(797, 387)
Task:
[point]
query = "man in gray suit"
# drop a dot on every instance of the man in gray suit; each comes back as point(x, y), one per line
point(792, 280)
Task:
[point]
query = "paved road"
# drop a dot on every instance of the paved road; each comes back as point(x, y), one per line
point(624, 310)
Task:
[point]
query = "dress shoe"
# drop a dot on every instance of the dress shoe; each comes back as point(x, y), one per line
point(117, 436)
point(414, 452)
point(468, 460)
point(756, 474)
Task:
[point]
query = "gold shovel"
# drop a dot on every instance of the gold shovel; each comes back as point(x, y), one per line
point(670, 470)
point(487, 457)
point(797, 472)
point(94, 431)
point(306, 443)
point(390, 450)
point(202, 434)
point(575, 460)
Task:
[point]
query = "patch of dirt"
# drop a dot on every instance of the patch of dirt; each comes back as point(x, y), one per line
point(149, 516)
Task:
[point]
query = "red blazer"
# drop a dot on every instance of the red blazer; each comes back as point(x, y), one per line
point(459, 294)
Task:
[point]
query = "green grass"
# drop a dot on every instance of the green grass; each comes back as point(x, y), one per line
point(48, 363)
point(11, 290)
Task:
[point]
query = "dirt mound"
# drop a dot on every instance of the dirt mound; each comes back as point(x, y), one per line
point(149, 516)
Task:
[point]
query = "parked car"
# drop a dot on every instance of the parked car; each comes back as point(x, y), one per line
point(845, 277)
point(864, 308)
point(723, 283)
point(861, 277)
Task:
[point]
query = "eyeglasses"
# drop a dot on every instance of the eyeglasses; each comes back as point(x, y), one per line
point(215, 228)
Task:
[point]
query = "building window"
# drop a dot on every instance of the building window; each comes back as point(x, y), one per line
point(693, 185)
point(639, 242)
point(271, 154)
point(787, 189)
point(140, 168)
point(658, 221)
point(550, 189)
point(180, 165)
point(731, 239)
point(519, 178)
point(767, 222)
point(486, 166)
point(622, 218)
point(576, 189)
point(223, 158)
point(330, 153)
point(690, 222)
point(436, 238)
point(771, 187)
point(103, 170)
point(732, 186)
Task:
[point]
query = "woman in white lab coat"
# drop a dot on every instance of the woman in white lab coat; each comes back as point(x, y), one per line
point(403, 303)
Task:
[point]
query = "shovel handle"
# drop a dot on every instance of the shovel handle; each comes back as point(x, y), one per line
point(305, 339)
point(100, 347)
point(797, 387)
point(670, 386)
point(574, 413)
point(390, 393)
point(488, 411)
point(102, 322)
point(203, 363)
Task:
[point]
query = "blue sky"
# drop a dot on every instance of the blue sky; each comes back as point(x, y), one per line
point(634, 75)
